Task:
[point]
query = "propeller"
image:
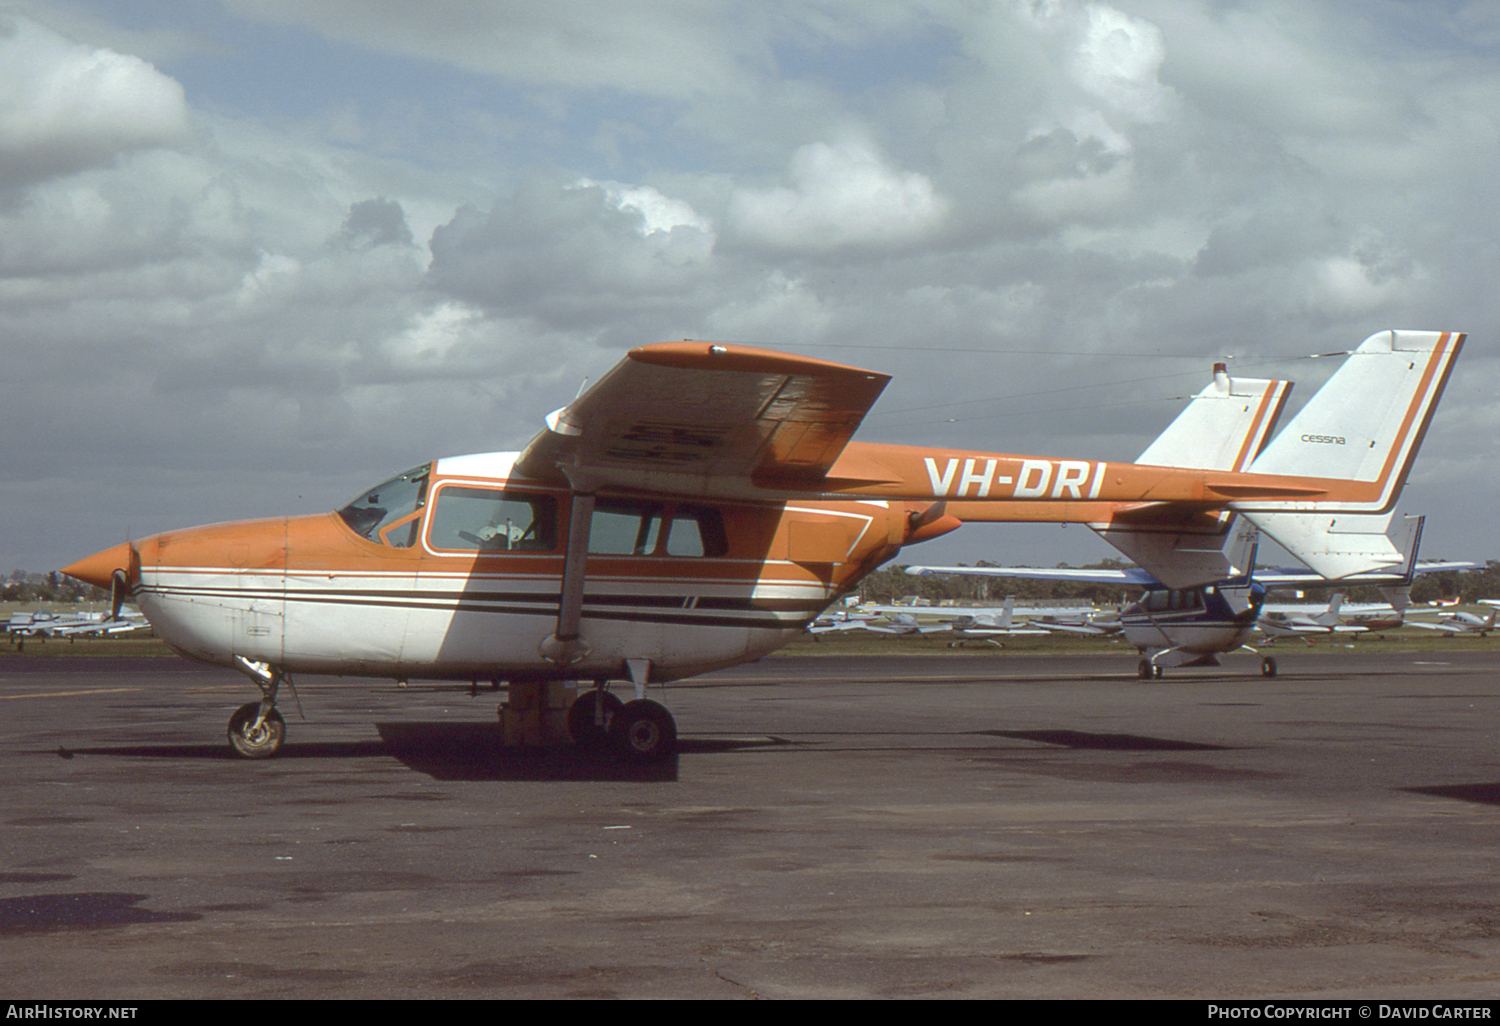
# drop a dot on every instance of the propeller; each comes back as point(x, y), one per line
point(119, 591)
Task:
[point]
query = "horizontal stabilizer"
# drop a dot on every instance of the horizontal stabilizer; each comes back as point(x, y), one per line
point(1334, 545)
point(1182, 558)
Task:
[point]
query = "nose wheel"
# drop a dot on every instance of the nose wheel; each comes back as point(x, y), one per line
point(256, 730)
point(255, 736)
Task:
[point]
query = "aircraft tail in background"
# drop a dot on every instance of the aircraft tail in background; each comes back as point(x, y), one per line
point(1224, 427)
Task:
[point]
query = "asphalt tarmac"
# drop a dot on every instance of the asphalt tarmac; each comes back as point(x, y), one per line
point(941, 826)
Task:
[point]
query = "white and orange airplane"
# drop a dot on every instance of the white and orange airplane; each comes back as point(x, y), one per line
point(698, 507)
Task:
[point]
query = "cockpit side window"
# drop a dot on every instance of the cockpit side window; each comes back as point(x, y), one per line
point(490, 520)
point(390, 513)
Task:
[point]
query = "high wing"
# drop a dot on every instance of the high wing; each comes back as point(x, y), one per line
point(696, 418)
point(733, 422)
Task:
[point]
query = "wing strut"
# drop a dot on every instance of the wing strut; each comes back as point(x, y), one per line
point(565, 647)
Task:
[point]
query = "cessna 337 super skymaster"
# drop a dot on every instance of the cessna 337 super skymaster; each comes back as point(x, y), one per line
point(694, 509)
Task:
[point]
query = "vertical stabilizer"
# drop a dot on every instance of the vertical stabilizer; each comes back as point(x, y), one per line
point(1223, 427)
point(1364, 427)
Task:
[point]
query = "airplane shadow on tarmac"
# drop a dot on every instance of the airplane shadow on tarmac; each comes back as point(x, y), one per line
point(451, 751)
point(1484, 794)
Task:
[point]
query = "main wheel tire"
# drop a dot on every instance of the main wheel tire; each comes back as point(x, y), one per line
point(643, 732)
point(582, 726)
point(261, 743)
point(1268, 667)
point(1144, 670)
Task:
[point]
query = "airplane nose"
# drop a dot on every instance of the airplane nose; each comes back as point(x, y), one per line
point(99, 569)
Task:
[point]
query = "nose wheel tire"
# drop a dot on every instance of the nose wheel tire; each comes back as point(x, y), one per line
point(643, 732)
point(261, 742)
point(1268, 667)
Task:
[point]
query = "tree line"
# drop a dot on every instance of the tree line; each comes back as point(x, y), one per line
point(24, 586)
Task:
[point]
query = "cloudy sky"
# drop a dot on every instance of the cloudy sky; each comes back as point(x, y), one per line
point(256, 255)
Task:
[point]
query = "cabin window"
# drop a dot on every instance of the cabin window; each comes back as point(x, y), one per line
point(391, 512)
point(1161, 600)
point(626, 528)
point(490, 520)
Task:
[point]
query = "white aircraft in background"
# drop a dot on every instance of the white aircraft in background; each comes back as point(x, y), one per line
point(1280, 620)
point(698, 507)
point(903, 624)
point(962, 623)
point(1299, 622)
point(839, 621)
point(47, 624)
point(1193, 626)
point(1461, 623)
point(1170, 626)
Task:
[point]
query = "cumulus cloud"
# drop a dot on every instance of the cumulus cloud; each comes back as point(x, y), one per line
point(844, 195)
point(1117, 58)
point(663, 48)
point(1049, 190)
point(375, 222)
point(584, 258)
point(65, 106)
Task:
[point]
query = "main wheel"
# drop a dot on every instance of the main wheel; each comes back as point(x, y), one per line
point(1268, 667)
point(1144, 670)
point(642, 731)
point(584, 728)
point(261, 743)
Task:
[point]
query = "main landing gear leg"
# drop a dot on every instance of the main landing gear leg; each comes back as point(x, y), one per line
point(256, 730)
point(642, 731)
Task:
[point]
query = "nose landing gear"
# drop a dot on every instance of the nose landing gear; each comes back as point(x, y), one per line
point(255, 736)
point(256, 730)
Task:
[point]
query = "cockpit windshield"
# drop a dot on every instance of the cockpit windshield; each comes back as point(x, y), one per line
point(390, 513)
